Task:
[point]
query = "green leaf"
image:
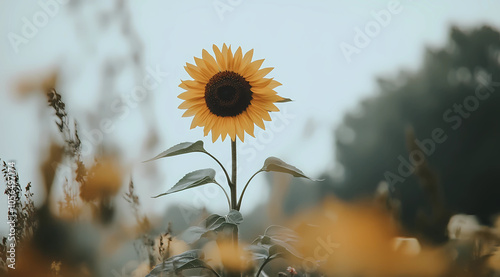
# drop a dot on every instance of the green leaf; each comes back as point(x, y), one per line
point(278, 241)
point(277, 165)
point(191, 264)
point(258, 252)
point(181, 148)
point(234, 217)
point(214, 221)
point(212, 225)
point(160, 269)
point(193, 233)
point(191, 180)
point(282, 233)
point(279, 248)
point(188, 260)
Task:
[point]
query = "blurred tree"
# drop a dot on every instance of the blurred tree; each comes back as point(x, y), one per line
point(449, 109)
point(452, 104)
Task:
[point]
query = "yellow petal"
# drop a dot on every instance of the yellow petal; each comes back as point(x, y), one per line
point(220, 58)
point(209, 71)
point(249, 125)
point(254, 116)
point(200, 63)
point(190, 84)
point(273, 84)
point(189, 103)
point(262, 92)
point(199, 118)
point(259, 74)
point(210, 61)
point(224, 49)
point(275, 98)
point(191, 94)
point(264, 105)
point(237, 60)
point(251, 69)
point(264, 82)
point(229, 59)
point(209, 124)
point(194, 123)
point(216, 130)
point(194, 73)
point(240, 130)
point(214, 136)
point(224, 128)
point(270, 98)
point(194, 110)
point(246, 59)
point(261, 112)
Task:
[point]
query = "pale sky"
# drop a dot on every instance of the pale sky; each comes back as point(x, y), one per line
point(302, 40)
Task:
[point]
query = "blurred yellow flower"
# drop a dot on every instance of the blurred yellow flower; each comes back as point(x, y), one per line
point(104, 180)
point(35, 82)
point(229, 93)
point(362, 239)
point(226, 254)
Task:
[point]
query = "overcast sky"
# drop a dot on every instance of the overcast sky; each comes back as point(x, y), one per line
point(326, 54)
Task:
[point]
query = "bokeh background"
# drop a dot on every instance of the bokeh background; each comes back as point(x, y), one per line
point(366, 79)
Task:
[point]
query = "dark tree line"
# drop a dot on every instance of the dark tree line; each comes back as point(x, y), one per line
point(451, 106)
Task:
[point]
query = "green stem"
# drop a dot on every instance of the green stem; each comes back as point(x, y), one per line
point(234, 200)
point(233, 179)
point(227, 197)
point(245, 188)
point(266, 261)
point(223, 168)
point(215, 272)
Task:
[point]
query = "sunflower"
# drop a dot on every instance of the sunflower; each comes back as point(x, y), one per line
point(229, 93)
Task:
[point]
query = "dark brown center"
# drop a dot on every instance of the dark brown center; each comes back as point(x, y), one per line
point(227, 94)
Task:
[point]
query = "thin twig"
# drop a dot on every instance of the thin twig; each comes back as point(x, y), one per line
point(266, 261)
point(215, 272)
point(223, 168)
point(227, 196)
point(245, 188)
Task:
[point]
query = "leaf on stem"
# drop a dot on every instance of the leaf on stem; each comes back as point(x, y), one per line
point(212, 224)
point(258, 252)
point(181, 148)
point(188, 260)
point(214, 221)
point(276, 242)
point(282, 233)
point(277, 165)
point(234, 217)
point(193, 179)
point(193, 233)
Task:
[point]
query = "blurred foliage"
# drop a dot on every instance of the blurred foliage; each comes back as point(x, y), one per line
point(324, 236)
point(467, 164)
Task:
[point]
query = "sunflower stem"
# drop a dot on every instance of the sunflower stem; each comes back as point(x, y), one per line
point(234, 201)
point(233, 176)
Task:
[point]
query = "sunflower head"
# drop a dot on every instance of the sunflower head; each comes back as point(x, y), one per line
point(229, 94)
